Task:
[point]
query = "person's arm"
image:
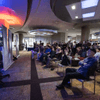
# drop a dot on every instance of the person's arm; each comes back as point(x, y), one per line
point(81, 63)
point(89, 64)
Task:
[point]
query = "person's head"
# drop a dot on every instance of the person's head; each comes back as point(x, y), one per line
point(78, 48)
point(98, 50)
point(48, 47)
point(83, 47)
point(53, 49)
point(91, 52)
point(59, 48)
point(41, 44)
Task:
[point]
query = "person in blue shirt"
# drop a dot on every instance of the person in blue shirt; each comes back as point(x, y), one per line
point(45, 55)
point(80, 73)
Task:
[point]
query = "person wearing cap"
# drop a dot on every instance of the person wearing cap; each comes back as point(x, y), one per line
point(80, 73)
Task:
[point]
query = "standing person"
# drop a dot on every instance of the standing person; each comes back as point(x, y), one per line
point(80, 73)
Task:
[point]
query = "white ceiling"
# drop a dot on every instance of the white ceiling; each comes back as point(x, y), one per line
point(79, 11)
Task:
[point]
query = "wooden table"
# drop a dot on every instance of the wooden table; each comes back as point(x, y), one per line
point(75, 62)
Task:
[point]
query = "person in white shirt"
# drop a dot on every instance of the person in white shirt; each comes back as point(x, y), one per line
point(97, 55)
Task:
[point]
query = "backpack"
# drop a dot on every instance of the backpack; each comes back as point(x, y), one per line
point(65, 60)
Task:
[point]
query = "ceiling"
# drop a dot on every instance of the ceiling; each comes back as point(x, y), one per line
point(38, 14)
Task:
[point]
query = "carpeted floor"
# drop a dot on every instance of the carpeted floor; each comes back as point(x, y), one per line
point(49, 91)
point(31, 81)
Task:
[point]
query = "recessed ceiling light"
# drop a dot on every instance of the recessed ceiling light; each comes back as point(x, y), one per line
point(73, 7)
point(89, 3)
point(76, 17)
point(91, 14)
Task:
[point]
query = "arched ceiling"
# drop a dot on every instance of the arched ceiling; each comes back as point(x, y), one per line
point(38, 14)
point(41, 16)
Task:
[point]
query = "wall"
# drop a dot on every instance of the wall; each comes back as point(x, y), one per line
point(78, 38)
point(7, 50)
point(60, 37)
point(15, 45)
point(44, 39)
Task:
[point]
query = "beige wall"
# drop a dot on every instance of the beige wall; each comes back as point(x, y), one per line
point(60, 37)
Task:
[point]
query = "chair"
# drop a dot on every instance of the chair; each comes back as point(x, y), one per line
point(98, 66)
point(64, 63)
point(62, 66)
point(91, 72)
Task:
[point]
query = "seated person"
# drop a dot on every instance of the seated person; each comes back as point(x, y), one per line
point(65, 60)
point(83, 54)
point(45, 55)
point(51, 56)
point(59, 53)
point(68, 51)
point(97, 55)
point(40, 51)
point(78, 51)
point(80, 73)
point(52, 53)
point(36, 49)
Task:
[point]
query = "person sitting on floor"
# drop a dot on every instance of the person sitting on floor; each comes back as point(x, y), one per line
point(80, 73)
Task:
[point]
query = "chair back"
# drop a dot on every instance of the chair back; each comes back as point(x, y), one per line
point(91, 71)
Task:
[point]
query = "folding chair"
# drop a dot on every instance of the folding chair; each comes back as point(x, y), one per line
point(91, 72)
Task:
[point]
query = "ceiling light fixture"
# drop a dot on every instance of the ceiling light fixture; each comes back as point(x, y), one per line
point(91, 14)
point(89, 3)
point(33, 33)
point(73, 7)
point(76, 17)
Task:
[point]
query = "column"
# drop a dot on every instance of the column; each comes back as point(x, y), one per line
point(66, 37)
point(78, 38)
point(85, 31)
point(21, 42)
point(62, 37)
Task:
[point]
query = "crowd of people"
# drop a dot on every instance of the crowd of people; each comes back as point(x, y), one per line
point(65, 51)
point(62, 50)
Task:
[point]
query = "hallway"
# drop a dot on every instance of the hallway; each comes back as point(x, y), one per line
point(31, 81)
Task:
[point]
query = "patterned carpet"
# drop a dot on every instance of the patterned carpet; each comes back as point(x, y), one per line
point(17, 87)
point(31, 81)
point(49, 91)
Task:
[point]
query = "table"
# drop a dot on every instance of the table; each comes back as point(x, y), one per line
point(74, 62)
